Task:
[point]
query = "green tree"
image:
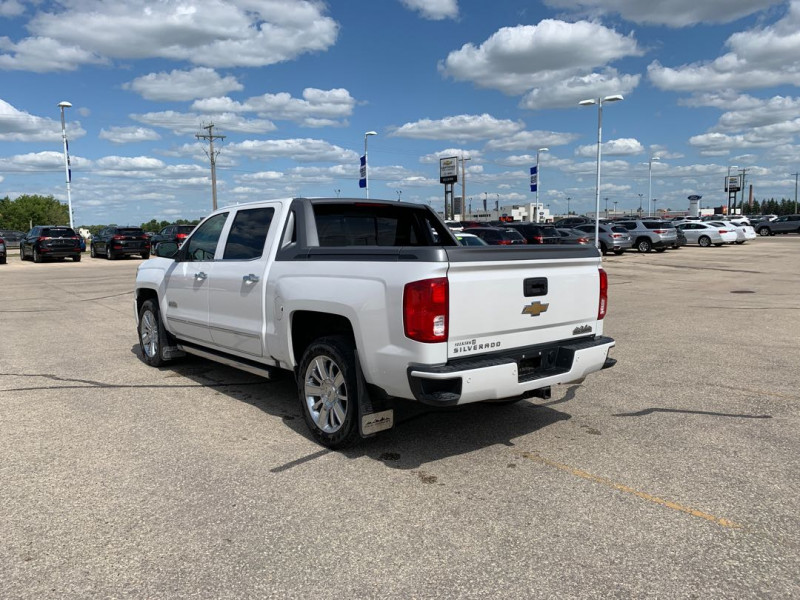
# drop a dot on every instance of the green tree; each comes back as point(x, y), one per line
point(32, 208)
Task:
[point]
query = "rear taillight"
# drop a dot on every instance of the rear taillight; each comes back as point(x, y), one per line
point(43, 238)
point(538, 239)
point(118, 237)
point(602, 306)
point(659, 231)
point(582, 240)
point(723, 231)
point(504, 243)
point(425, 310)
point(180, 236)
point(616, 236)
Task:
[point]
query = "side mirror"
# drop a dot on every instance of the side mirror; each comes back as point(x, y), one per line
point(166, 249)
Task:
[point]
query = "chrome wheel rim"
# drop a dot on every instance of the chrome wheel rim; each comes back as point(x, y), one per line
point(149, 334)
point(325, 391)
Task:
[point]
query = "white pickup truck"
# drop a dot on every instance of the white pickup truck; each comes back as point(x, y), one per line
point(368, 302)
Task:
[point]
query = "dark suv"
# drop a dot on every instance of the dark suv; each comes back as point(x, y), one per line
point(497, 236)
point(50, 241)
point(172, 233)
point(537, 233)
point(113, 242)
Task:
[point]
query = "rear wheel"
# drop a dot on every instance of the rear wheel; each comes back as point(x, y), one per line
point(145, 255)
point(37, 257)
point(109, 254)
point(77, 258)
point(327, 389)
point(2, 260)
point(764, 231)
point(661, 249)
point(92, 251)
point(618, 251)
point(644, 245)
point(704, 241)
point(603, 249)
point(152, 335)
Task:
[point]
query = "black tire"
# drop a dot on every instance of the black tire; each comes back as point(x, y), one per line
point(92, 251)
point(718, 245)
point(153, 337)
point(618, 251)
point(76, 258)
point(37, 257)
point(740, 242)
point(21, 253)
point(2, 260)
point(603, 249)
point(644, 245)
point(329, 367)
point(764, 231)
point(109, 254)
point(661, 250)
point(704, 241)
point(145, 255)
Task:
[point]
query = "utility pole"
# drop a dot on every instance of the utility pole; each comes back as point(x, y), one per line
point(213, 156)
point(795, 191)
point(741, 203)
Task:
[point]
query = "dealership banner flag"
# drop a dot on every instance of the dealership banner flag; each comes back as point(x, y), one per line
point(362, 183)
point(534, 178)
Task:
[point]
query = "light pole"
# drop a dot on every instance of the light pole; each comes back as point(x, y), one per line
point(366, 162)
point(655, 214)
point(399, 193)
point(338, 191)
point(538, 181)
point(599, 102)
point(67, 174)
point(795, 191)
point(464, 160)
point(640, 206)
point(650, 184)
point(568, 199)
point(615, 209)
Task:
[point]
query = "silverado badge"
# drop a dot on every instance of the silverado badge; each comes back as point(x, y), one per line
point(582, 329)
point(534, 309)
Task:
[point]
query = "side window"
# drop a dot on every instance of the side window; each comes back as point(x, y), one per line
point(203, 243)
point(248, 234)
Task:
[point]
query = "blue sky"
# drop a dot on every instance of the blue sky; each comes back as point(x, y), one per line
point(293, 85)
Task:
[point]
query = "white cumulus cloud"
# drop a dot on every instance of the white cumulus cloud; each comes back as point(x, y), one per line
point(435, 10)
point(200, 82)
point(459, 127)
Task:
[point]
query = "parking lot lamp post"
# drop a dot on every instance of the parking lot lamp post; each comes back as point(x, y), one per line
point(538, 180)
point(67, 174)
point(366, 162)
point(568, 199)
point(795, 192)
point(599, 102)
point(640, 206)
point(655, 212)
point(650, 184)
point(615, 209)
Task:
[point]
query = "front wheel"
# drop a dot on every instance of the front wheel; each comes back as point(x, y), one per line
point(92, 251)
point(152, 335)
point(644, 245)
point(661, 249)
point(704, 241)
point(327, 389)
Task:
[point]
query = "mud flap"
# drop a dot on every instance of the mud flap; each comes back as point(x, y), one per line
point(370, 422)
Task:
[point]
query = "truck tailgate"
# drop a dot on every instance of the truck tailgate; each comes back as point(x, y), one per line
point(498, 304)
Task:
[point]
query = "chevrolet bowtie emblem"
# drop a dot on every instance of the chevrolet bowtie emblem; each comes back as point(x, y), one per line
point(534, 309)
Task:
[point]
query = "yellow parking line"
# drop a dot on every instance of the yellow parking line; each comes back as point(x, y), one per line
point(629, 490)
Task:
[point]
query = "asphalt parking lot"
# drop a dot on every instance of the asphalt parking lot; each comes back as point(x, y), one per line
point(675, 474)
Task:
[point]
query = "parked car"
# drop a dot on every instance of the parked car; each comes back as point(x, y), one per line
point(113, 242)
point(704, 234)
point(50, 241)
point(650, 234)
point(172, 233)
point(2, 251)
point(536, 233)
point(784, 224)
point(469, 239)
point(613, 237)
point(11, 237)
point(573, 236)
point(497, 236)
point(569, 222)
point(743, 232)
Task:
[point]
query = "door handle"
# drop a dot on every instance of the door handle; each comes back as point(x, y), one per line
point(200, 276)
point(251, 278)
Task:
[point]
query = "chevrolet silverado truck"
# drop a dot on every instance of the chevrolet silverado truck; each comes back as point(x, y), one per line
point(368, 303)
